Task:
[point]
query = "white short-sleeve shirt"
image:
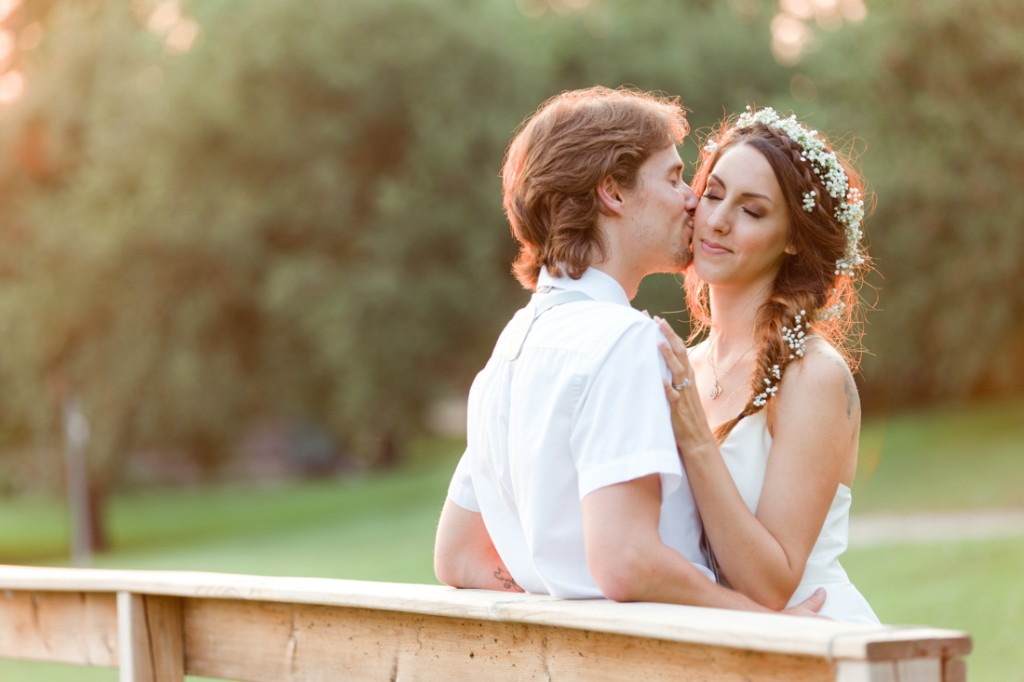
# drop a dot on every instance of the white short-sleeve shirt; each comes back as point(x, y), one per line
point(581, 407)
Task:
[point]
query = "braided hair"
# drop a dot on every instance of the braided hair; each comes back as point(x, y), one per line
point(807, 293)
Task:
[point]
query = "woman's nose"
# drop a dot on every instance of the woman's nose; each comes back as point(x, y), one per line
point(717, 218)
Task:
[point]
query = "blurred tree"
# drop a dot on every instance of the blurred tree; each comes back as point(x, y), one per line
point(222, 212)
point(59, 304)
point(278, 211)
point(933, 89)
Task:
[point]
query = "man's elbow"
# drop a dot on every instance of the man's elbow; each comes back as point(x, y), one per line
point(621, 577)
point(447, 571)
point(443, 576)
point(620, 589)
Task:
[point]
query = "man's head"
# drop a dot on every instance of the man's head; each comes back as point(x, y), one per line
point(554, 166)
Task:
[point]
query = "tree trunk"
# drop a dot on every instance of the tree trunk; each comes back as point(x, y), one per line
point(387, 456)
point(97, 538)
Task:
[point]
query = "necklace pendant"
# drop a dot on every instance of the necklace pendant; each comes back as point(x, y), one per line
point(715, 391)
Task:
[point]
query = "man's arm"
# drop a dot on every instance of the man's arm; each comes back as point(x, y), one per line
point(630, 562)
point(464, 555)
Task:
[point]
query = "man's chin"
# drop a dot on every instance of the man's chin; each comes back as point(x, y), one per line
point(680, 262)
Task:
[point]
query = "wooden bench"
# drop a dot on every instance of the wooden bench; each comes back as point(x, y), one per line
point(162, 625)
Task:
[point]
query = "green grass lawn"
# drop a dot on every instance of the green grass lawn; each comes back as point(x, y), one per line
point(947, 459)
point(967, 585)
point(381, 527)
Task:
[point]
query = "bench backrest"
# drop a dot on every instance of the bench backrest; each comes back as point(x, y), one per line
point(162, 625)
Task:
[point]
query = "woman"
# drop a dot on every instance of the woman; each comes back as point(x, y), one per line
point(777, 261)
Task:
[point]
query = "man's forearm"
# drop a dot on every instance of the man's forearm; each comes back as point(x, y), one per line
point(484, 575)
point(464, 555)
point(630, 562)
point(677, 581)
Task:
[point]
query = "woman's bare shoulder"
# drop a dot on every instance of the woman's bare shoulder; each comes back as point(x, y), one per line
point(821, 375)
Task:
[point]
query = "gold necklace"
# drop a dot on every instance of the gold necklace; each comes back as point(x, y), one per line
point(716, 389)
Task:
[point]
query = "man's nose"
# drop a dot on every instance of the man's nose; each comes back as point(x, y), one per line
point(691, 199)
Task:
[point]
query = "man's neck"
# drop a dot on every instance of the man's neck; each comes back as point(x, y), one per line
point(627, 279)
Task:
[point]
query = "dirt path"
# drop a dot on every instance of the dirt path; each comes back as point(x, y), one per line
point(885, 529)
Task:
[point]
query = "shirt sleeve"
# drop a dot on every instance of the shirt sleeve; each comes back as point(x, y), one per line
point(461, 490)
point(623, 429)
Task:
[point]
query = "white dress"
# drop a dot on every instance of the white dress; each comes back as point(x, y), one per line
point(745, 452)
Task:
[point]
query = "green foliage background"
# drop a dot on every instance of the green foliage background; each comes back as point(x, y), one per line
point(298, 217)
point(933, 90)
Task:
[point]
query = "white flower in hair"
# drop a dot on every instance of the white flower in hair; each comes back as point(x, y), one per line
point(796, 339)
point(809, 200)
point(849, 209)
point(833, 312)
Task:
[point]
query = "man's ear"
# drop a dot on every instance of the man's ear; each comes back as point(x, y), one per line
point(609, 196)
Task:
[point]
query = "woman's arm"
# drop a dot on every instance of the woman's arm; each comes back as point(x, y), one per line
point(630, 562)
point(464, 555)
point(817, 419)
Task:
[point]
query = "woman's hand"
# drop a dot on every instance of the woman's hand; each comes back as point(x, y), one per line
point(688, 419)
point(809, 607)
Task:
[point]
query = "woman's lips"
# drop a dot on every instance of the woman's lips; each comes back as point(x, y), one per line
point(713, 248)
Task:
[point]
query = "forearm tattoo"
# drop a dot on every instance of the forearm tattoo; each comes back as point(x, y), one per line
point(506, 579)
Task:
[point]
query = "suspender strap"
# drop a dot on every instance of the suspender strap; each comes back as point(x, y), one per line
point(539, 308)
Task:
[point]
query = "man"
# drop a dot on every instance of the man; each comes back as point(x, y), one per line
point(571, 484)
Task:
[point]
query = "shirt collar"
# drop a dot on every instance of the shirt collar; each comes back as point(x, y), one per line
point(597, 285)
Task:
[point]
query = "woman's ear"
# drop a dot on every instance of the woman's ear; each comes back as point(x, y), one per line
point(791, 249)
point(609, 196)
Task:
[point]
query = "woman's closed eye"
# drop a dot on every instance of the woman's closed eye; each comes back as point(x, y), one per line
point(753, 212)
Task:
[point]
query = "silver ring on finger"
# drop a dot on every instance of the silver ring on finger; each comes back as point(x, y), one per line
point(682, 384)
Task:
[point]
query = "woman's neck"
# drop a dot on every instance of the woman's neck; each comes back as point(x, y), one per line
point(734, 318)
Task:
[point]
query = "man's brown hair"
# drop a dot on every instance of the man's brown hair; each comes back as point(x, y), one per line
point(560, 155)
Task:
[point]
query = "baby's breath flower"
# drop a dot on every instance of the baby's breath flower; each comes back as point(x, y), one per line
point(796, 339)
point(849, 209)
point(809, 200)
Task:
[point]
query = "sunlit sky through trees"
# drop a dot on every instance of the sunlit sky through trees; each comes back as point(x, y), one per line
point(792, 26)
point(164, 18)
point(793, 29)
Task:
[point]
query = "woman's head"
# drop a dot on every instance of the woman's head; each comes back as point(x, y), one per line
point(816, 275)
point(742, 233)
point(556, 161)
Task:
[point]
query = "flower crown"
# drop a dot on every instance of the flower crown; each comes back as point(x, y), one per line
point(849, 209)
